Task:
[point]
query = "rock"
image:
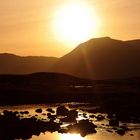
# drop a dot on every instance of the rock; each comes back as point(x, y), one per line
point(114, 122)
point(107, 125)
point(26, 112)
point(16, 112)
point(63, 131)
point(131, 134)
point(100, 117)
point(84, 115)
point(92, 116)
point(73, 113)
point(44, 114)
point(51, 117)
point(12, 127)
point(5, 112)
point(120, 131)
point(62, 111)
point(84, 127)
point(68, 119)
point(52, 126)
point(124, 128)
point(22, 112)
point(38, 110)
point(50, 110)
point(71, 116)
point(9, 116)
point(86, 123)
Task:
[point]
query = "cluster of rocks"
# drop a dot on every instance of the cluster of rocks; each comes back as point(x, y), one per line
point(114, 122)
point(83, 127)
point(13, 126)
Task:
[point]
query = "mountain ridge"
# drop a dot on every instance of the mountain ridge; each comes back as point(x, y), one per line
point(14, 64)
point(96, 59)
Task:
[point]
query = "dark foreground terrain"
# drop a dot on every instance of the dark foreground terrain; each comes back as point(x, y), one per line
point(70, 119)
point(116, 101)
point(110, 95)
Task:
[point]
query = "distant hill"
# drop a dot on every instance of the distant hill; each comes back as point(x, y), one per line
point(41, 88)
point(13, 64)
point(55, 87)
point(39, 80)
point(98, 59)
point(102, 58)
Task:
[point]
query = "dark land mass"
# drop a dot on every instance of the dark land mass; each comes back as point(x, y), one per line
point(13, 64)
point(96, 59)
point(15, 126)
point(76, 77)
point(40, 88)
point(121, 96)
point(102, 58)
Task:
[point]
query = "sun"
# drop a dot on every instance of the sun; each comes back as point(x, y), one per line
point(75, 22)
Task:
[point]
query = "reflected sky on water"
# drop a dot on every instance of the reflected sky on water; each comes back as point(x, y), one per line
point(101, 134)
point(98, 136)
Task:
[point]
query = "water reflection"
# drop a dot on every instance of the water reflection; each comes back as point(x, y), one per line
point(62, 123)
point(47, 136)
point(99, 136)
point(57, 136)
point(71, 137)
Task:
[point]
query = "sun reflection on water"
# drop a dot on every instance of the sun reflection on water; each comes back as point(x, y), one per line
point(71, 137)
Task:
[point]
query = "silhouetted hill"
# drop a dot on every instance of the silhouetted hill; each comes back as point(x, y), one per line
point(102, 58)
point(54, 87)
point(41, 88)
point(98, 59)
point(13, 64)
point(42, 79)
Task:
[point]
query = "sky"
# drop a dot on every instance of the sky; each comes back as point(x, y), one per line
point(30, 27)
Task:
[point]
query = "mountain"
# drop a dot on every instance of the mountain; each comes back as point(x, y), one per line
point(41, 88)
point(55, 88)
point(41, 79)
point(102, 58)
point(13, 64)
point(98, 59)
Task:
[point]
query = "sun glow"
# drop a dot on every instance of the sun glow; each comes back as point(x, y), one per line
point(75, 22)
point(71, 137)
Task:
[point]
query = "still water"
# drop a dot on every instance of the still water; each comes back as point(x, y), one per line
point(104, 132)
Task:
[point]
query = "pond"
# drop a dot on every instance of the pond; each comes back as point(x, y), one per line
point(65, 121)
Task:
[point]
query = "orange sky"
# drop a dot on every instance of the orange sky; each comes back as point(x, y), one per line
point(26, 25)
